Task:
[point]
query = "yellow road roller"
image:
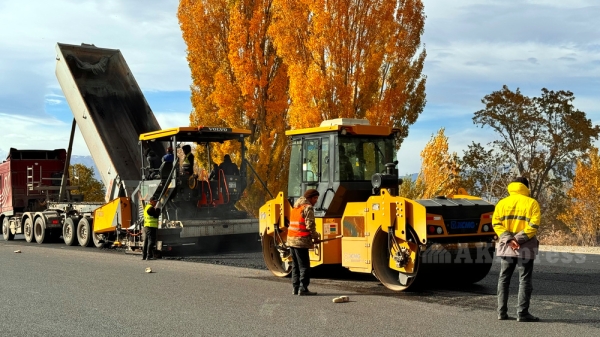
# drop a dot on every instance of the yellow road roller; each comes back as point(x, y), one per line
point(362, 222)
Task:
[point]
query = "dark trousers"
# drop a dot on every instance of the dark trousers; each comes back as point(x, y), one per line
point(300, 268)
point(507, 268)
point(149, 237)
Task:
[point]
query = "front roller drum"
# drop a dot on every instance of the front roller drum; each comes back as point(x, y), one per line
point(405, 254)
point(277, 258)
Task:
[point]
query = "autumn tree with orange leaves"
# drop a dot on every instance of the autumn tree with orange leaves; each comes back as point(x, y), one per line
point(440, 171)
point(239, 81)
point(352, 59)
point(582, 214)
point(273, 65)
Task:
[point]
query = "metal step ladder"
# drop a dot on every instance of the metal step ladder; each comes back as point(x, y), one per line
point(31, 183)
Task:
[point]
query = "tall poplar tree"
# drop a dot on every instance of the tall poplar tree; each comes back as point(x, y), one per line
point(352, 59)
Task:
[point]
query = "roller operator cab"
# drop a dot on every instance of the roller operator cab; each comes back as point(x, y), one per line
point(362, 222)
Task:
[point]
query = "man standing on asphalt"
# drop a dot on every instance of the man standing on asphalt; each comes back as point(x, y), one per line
point(516, 221)
point(151, 214)
point(301, 233)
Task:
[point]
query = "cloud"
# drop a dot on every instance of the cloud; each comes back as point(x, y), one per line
point(30, 133)
point(172, 119)
point(148, 35)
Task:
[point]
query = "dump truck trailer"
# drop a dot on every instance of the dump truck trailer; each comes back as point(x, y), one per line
point(362, 222)
point(31, 184)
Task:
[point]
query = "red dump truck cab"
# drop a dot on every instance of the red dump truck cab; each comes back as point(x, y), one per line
point(28, 178)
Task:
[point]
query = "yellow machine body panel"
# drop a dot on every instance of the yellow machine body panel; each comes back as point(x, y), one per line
point(355, 243)
point(112, 215)
point(273, 214)
point(362, 220)
point(329, 228)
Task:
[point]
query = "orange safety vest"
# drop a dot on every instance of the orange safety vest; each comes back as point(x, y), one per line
point(298, 223)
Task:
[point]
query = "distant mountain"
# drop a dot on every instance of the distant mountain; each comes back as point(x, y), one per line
point(413, 176)
point(86, 161)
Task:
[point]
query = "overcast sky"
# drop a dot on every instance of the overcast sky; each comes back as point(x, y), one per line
point(474, 47)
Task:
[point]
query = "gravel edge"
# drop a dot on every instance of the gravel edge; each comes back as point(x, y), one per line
point(570, 249)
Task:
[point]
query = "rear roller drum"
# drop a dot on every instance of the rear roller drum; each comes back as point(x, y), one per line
point(406, 254)
point(472, 273)
point(280, 266)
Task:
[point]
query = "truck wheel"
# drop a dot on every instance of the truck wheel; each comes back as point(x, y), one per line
point(28, 230)
point(99, 240)
point(39, 230)
point(69, 232)
point(84, 233)
point(6, 232)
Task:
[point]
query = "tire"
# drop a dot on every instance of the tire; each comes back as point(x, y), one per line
point(28, 230)
point(69, 232)
point(84, 231)
point(99, 240)
point(6, 232)
point(39, 230)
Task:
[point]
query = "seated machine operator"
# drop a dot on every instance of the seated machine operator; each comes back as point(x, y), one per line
point(188, 160)
point(228, 167)
point(346, 169)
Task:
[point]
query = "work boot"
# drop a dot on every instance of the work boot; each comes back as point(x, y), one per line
point(528, 318)
point(306, 293)
point(503, 317)
point(295, 291)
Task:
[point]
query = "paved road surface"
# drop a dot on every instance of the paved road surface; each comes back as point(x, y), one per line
point(52, 291)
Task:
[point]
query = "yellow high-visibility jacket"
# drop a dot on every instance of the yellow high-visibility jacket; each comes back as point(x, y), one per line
point(149, 220)
point(517, 215)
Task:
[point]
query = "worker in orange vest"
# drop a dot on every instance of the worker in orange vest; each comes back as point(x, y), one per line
point(301, 233)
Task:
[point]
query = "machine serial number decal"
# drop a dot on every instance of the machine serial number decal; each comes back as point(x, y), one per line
point(462, 224)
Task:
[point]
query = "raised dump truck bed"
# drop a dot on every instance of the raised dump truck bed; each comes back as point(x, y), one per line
point(109, 108)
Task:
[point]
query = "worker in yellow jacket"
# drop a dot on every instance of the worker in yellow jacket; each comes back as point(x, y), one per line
point(516, 221)
point(151, 215)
